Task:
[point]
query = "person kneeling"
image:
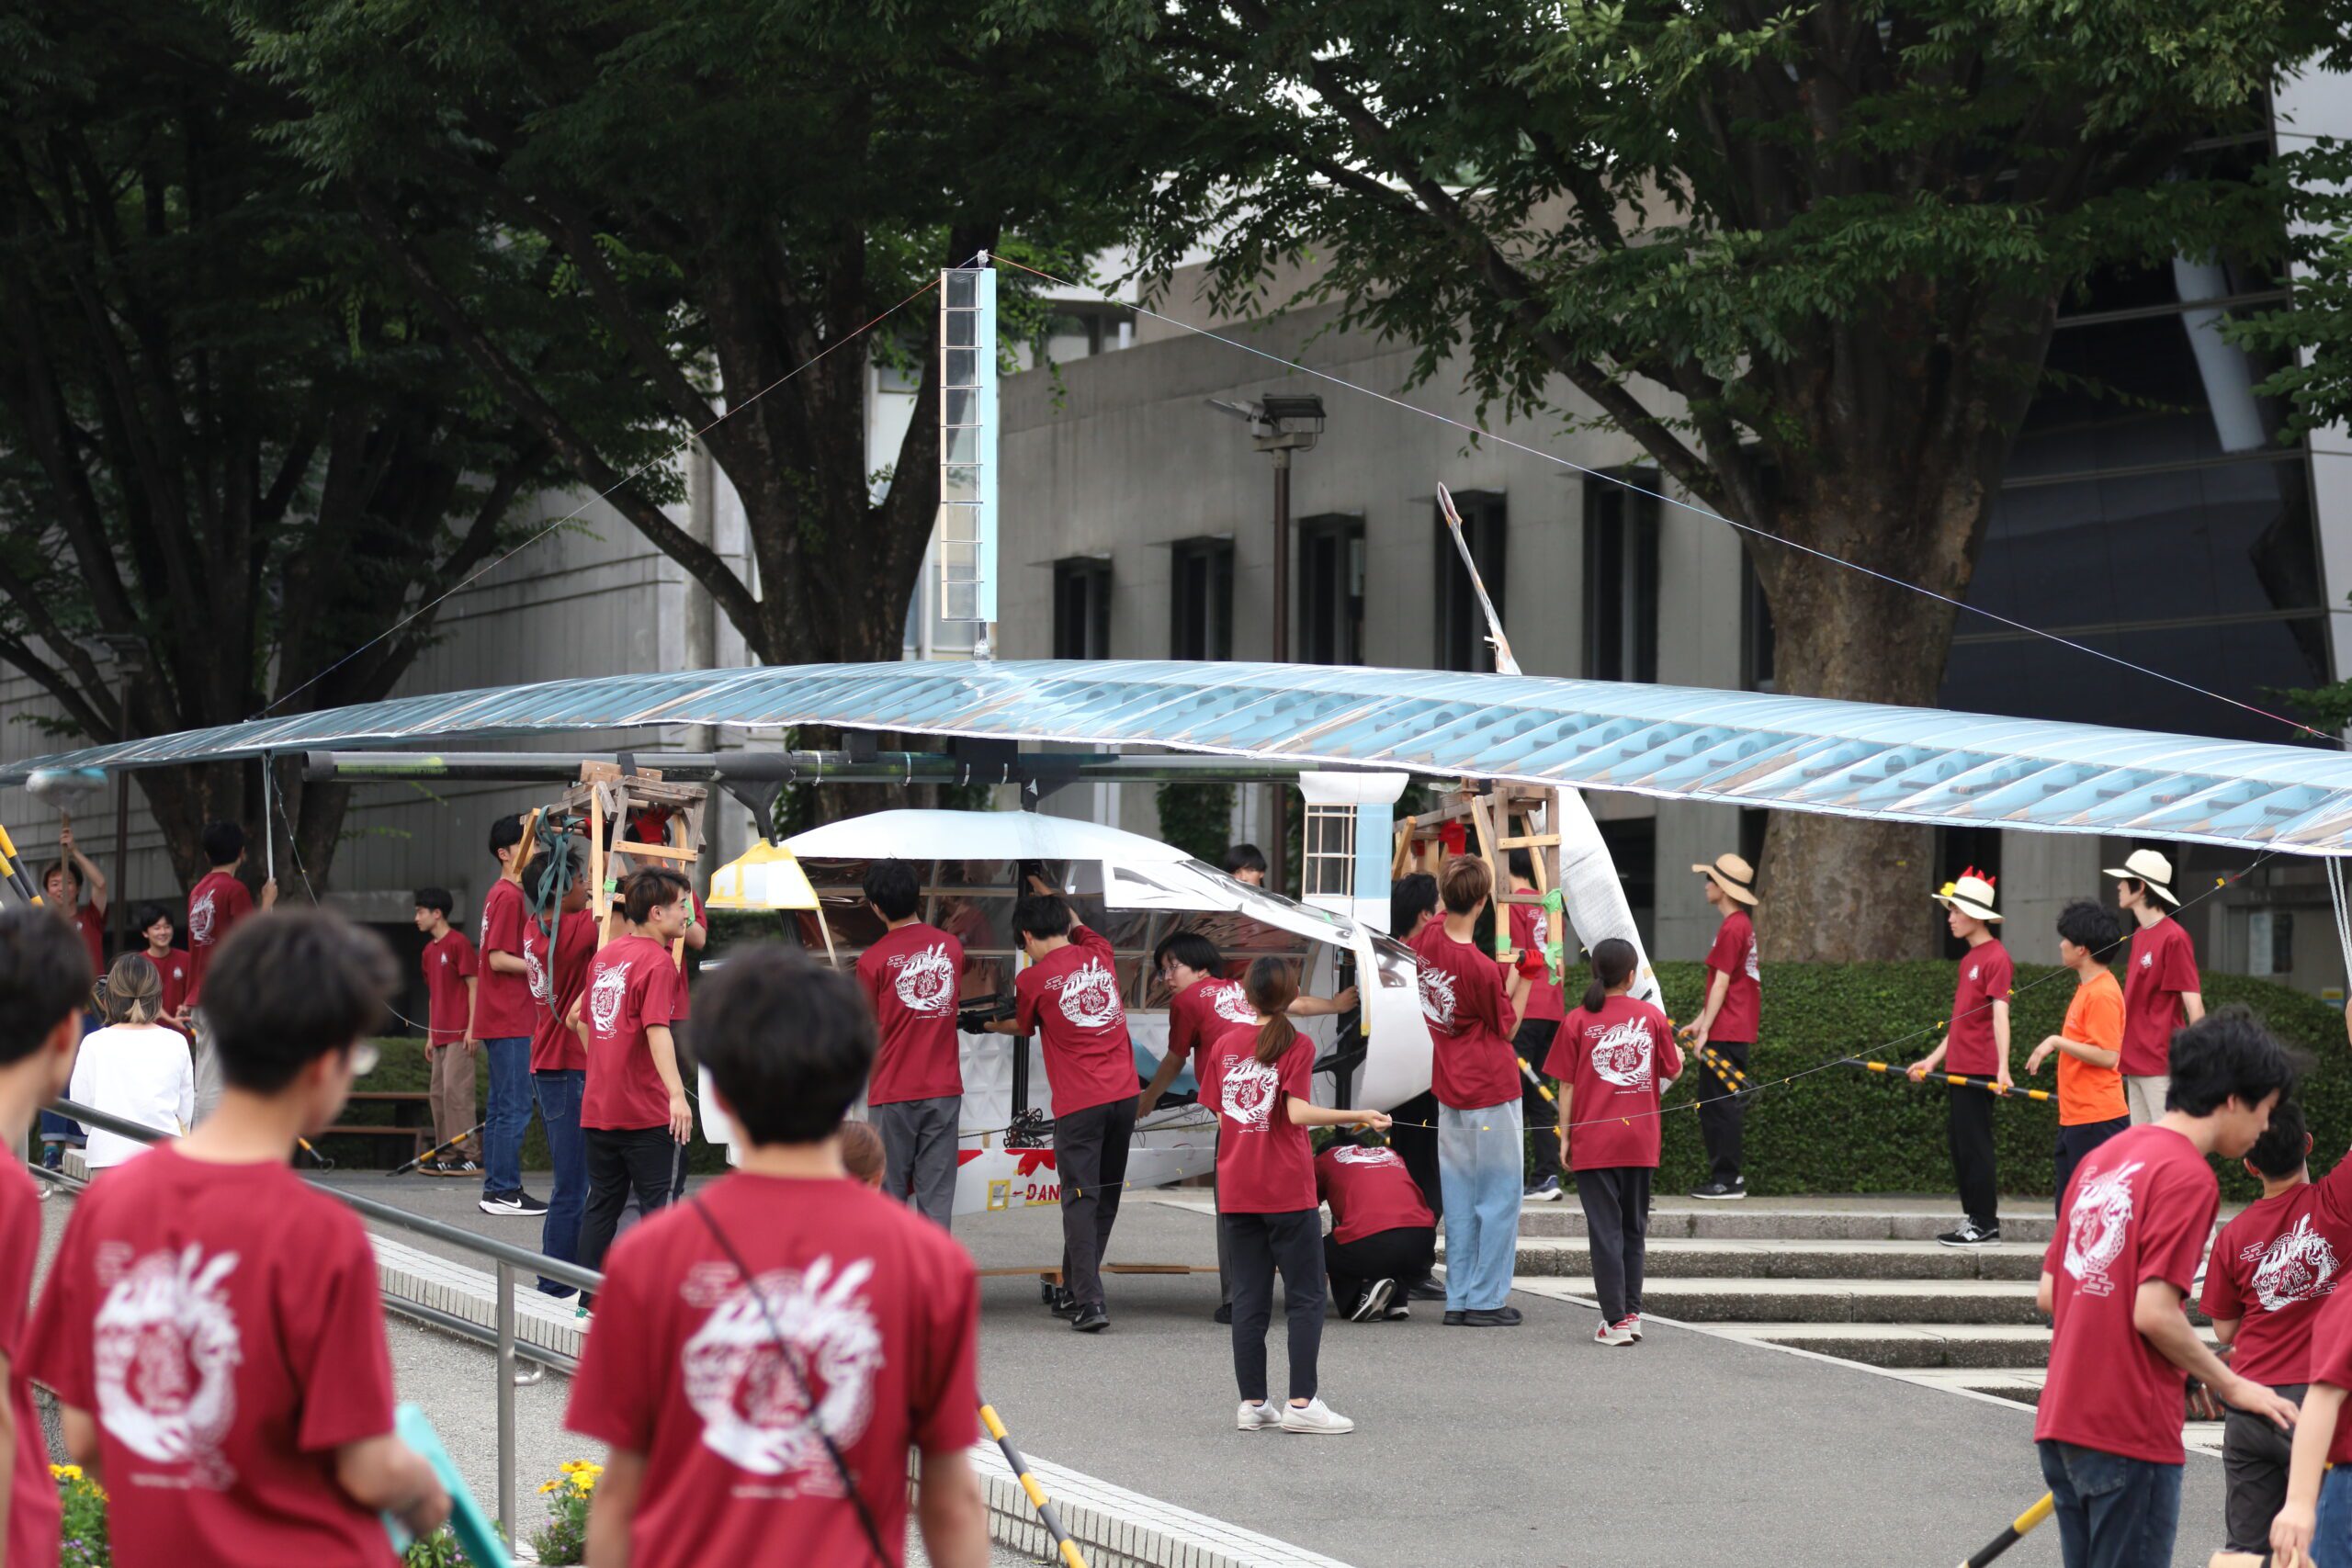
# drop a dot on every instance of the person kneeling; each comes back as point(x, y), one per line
point(1384, 1237)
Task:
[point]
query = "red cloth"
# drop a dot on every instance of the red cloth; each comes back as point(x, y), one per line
point(1370, 1190)
point(173, 969)
point(1984, 979)
point(1611, 1060)
point(1527, 932)
point(2331, 1363)
point(2163, 964)
point(555, 1044)
point(632, 987)
point(883, 1310)
point(33, 1508)
point(502, 1001)
point(215, 905)
point(1090, 1059)
point(2138, 1208)
point(1202, 1011)
point(247, 1351)
point(1264, 1163)
point(1473, 1065)
point(2273, 1266)
point(448, 963)
point(913, 977)
point(1734, 953)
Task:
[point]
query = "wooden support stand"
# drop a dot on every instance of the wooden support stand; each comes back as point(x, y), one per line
point(1500, 821)
point(599, 808)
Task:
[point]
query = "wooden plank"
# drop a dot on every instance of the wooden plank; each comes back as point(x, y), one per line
point(1533, 842)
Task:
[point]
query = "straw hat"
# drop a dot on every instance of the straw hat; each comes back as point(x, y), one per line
point(1972, 894)
point(1733, 875)
point(2151, 868)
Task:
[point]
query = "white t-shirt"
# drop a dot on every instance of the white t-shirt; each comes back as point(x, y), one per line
point(140, 1073)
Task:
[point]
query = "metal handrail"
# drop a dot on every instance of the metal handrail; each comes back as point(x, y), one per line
point(505, 1255)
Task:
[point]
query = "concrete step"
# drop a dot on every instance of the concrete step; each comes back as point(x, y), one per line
point(1907, 1345)
point(2025, 1220)
point(1683, 1258)
point(1834, 1301)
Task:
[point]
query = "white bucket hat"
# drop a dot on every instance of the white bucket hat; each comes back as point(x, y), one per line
point(2151, 868)
point(1972, 894)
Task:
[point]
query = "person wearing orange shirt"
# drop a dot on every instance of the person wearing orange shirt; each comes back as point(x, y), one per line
point(2090, 1045)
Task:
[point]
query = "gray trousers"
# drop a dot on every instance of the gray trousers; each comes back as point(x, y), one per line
point(2253, 1471)
point(205, 1059)
point(919, 1153)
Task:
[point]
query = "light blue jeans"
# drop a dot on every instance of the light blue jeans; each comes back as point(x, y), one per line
point(1479, 1163)
point(2332, 1535)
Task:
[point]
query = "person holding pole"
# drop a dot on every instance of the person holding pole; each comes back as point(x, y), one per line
point(502, 1024)
point(215, 906)
point(1727, 1023)
point(2161, 991)
point(61, 883)
point(1976, 1043)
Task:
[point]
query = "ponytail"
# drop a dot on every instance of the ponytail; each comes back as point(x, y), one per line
point(1612, 966)
point(133, 992)
point(1272, 988)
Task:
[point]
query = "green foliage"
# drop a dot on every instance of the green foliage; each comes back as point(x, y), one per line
point(564, 1538)
point(1196, 818)
point(82, 1533)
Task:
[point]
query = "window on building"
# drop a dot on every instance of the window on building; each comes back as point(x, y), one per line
point(1202, 615)
point(1621, 578)
point(1756, 637)
point(1330, 590)
point(1079, 332)
point(1083, 608)
point(1461, 624)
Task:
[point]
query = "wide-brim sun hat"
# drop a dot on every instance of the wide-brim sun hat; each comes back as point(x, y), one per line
point(1733, 875)
point(1972, 893)
point(2152, 870)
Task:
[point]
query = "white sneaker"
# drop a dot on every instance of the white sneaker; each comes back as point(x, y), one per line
point(1631, 1324)
point(1614, 1334)
point(1316, 1418)
point(1259, 1417)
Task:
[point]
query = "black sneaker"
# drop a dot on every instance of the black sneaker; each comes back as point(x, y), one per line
point(517, 1203)
point(1224, 1314)
point(1059, 1301)
point(1501, 1317)
point(1969, 1236)
point(1428, 1289)
point(1455, 1319)
point(1718, 1190)
point(1091, 1320)
point(1375, 1304)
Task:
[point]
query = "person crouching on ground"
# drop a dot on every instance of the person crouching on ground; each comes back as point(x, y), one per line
point(1610, 1058)
point(768, 1353)
point(2091, 1106)
point(1383, 1236)
point(2113, 1278)
point(1260, 1076)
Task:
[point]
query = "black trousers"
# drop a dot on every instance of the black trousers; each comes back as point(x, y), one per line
point(1616, 1202)
point(621, 1163)
point(1255, 1246)
point(1417, 1146)
point(2074, 1143)
point(1720, 1111)
point(1091, 1152)
point(1533, 1042)
point(2255, 1456)
point(1405, 1254)
point(1968, 1117)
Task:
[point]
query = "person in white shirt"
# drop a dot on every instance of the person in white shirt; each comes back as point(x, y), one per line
point(135, 1068)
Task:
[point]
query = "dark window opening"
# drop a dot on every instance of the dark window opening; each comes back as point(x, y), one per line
point(1202, 615)
point(1620, 579)
point(1083, 608)
point(1330, 590)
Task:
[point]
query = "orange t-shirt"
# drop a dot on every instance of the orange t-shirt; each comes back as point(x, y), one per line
point(2093, 1018)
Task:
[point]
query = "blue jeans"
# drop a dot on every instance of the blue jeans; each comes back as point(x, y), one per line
point(2332, 1536)
point(2114, 1512)
point(1480, 1165)
point(509, 1116)
point(558, 1093)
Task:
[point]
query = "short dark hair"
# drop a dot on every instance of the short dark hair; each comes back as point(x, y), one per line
point(1191, 949)
point(648, 890)
point(286, 989)
point(223, 842)
point(59, 868)
point(44, 978)
point(436, 899)
point(505, 832)
point(1041, 915)
point(149, 914)
point(787, 1042)
point(2089, 925)
point(1244, 857)
point(2225, 1056)
point(2285, 1144)
point(1411, 897)
point(891, 886)
point(1522, 866)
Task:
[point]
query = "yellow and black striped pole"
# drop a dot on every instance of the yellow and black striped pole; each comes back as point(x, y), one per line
point(1064, 1547)
point(1541, 1086)
point(1725, 1071)
point(12, 868)
point(1963, 1080)
point(2018, 1531)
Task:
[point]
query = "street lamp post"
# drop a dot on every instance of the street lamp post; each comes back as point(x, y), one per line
point(1280, 424)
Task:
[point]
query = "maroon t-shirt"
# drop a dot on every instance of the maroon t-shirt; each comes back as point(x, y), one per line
point(225, 1360)
point(682, 1365)
point(2271, 1267)
point(1471, 1062)
point(502, 1001)
point(1070, 997)
point(33, 1508)
point(215, 905)
point(173, 969)
point(1984, 979)
point(2138, 1208)
point(1734, 953)
point(93, 927)
point(1612, 1061)
point(1370, 1190)
point(1202, 1011)
point(2331, 1363)
point(555, 1046)
point(913, 977)
point(448, 964)
point(1527, 933)
point(2162, 965)
point(632, 987)
point(1264, 1163)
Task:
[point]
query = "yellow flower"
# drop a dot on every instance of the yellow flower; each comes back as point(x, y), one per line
point(548, 1486)
point(568, 1466)
point(586, 1483)
point(65, 1472)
